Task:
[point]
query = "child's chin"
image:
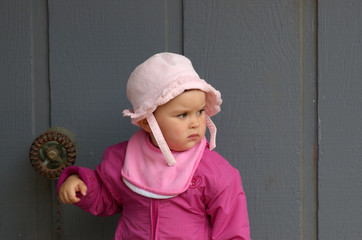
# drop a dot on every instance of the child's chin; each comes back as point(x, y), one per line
point(184, 148)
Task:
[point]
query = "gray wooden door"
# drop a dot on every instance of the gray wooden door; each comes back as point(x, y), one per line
point(289, 72)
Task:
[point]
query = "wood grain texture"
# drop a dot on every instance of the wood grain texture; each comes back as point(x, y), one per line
point(45, 188)
point(18, 189)
point(253, 52)
point(340, 119)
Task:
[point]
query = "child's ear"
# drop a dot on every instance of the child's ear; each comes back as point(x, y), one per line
point(144, 125)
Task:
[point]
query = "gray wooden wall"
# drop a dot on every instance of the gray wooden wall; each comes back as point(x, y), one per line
point(289, 71)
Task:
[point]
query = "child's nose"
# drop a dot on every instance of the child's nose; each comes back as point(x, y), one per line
point(195, 122)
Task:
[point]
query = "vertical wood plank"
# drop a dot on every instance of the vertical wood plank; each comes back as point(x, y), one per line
point(256, 53)
point(340, 119)
point(41, 115)
point(309, 118)
point(18, 202)
point(174, 26)
point(94, 46)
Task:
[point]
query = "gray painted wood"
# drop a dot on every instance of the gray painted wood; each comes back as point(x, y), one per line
point(45, 193)
point(258, 53)
point(309, 118)
point(94, 46)
point(340, 119)
point(25, 203)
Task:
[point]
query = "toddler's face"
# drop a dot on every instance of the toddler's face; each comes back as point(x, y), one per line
point(182, 120)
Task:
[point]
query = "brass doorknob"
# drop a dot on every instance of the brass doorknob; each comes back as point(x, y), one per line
point(53, 151)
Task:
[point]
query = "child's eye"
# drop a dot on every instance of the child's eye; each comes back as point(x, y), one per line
point(201, 112)
point(182, 115)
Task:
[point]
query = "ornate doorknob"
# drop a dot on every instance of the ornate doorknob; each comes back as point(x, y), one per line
point(53, 151)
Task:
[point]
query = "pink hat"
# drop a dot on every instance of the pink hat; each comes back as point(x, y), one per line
point(158, 80)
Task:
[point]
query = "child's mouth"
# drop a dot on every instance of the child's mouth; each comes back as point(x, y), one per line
point(193, 136)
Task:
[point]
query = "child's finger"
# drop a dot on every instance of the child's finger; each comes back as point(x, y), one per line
point(61, 198)
point(68, 197)
point(82, 188)
point(72, 197)
point(65, 198)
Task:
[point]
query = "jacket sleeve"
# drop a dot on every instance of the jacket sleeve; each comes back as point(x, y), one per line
point(98, 200)
point(228, 210)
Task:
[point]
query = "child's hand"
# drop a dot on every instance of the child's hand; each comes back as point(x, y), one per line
point(68, 190)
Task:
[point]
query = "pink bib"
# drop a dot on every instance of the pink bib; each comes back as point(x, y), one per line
point(147, 173)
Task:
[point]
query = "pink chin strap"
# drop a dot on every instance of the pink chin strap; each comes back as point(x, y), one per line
point(161, 142)
point(213, 131)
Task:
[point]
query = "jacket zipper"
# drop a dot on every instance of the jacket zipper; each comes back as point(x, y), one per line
point(154, 218)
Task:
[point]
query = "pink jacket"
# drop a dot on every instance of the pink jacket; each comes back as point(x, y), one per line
point(213, 207)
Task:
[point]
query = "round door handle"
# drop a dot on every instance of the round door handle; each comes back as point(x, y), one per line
point(53, 151)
